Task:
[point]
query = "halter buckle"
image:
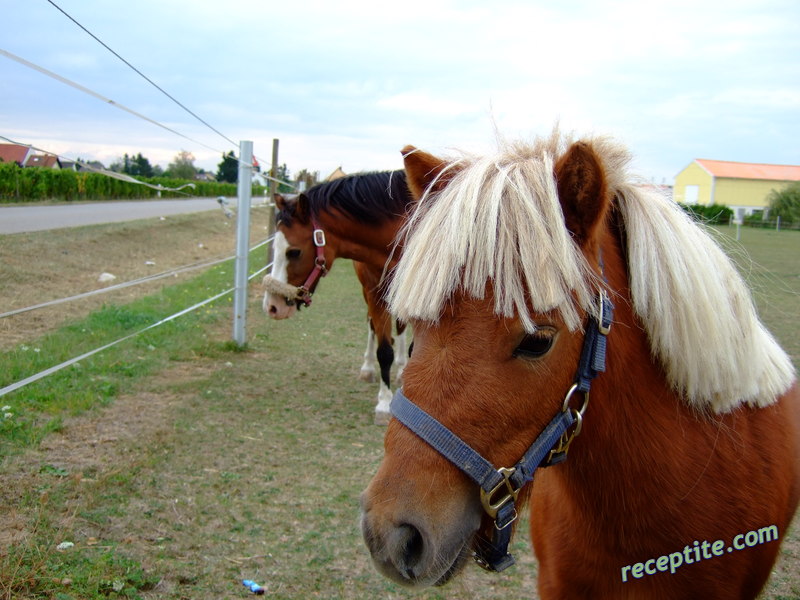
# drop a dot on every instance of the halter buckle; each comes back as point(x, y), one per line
point(491, 504)
point(319, 238)
point(604, 318)
point(303, 295)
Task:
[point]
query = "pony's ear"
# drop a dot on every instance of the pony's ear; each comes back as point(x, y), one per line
point(423, 169)
point(281, 201)
point(302, 210)
point(582, 191)
point(293, 206)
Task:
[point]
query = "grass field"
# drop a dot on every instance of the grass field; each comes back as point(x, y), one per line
point(177, 466)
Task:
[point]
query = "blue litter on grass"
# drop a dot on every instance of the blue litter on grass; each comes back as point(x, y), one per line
point(253, 586)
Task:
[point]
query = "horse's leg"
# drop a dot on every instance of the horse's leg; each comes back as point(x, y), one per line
point(365, 277)
point(367, 372)
point(381, 328)
point(382, 322)
point(402, 352)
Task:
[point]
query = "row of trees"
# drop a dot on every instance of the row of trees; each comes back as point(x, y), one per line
point(182, 167)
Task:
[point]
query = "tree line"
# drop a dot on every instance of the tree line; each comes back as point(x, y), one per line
point(182, 167)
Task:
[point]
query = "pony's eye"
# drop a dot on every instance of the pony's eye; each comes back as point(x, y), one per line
point(293, 253)
point(535, 345)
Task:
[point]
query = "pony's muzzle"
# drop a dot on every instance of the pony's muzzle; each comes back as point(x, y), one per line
point(400, 552)
point(278, 307)
point(407, 551)
point(279, 298)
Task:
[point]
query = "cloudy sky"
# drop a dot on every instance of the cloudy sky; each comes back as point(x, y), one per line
point(350, 82)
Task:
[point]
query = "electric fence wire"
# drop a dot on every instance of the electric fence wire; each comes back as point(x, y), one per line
point(42, 374)
point(114, 174)
point(145, 77)
point(100, 97)
point(132, 282)
point(125, 108)
point(160, 89)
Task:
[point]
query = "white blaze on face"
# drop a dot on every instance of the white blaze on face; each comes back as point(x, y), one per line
point(276, 305)
point(279, 264)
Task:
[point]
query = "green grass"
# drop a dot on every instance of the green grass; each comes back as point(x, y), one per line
point(255, 459)
point(770, 262)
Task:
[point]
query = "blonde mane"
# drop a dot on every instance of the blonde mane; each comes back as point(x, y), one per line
point(499, 220)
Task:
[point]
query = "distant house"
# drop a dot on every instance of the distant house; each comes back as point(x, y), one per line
point(336, 174)
point(24, 156)
point(47, 161)
point(94, 164)
point(14, 153)
point(743, 187)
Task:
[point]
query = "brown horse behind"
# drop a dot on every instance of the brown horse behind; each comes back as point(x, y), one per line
point(686, 473)
point(355, 217)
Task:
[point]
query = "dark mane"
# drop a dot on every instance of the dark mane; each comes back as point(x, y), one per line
point(369, 198)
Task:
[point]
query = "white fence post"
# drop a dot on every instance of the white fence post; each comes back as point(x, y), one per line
point(244, 192)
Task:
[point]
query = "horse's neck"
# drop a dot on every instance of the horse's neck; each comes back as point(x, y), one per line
point(630, 402)
point(368, 244)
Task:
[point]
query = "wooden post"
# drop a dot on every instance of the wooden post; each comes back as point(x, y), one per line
point(273, 189)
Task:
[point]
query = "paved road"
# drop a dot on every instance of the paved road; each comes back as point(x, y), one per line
point(20, 218)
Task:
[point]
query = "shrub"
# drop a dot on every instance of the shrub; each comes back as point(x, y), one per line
point(785, 203)
point(713, 214)
point(35, 184)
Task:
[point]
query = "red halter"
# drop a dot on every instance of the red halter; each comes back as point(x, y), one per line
point(320, 270)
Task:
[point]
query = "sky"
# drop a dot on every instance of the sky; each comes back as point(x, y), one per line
point(349, 83)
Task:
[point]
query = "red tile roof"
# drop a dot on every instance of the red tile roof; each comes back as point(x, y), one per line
point(13, 153)
point(42, 160)
point(737, 170)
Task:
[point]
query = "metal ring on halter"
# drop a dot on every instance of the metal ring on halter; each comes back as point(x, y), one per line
point(568, 397)
point(568, 436)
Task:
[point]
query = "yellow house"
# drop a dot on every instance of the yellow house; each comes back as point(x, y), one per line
point(743, 187)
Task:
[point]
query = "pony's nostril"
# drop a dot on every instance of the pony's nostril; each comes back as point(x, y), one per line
point(410, 548)
point(273, 310)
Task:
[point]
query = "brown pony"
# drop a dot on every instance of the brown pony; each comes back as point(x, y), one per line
point(354, 217)
point(683, 471)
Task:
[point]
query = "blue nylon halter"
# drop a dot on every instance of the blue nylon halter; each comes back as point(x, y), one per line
point(494, 555)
